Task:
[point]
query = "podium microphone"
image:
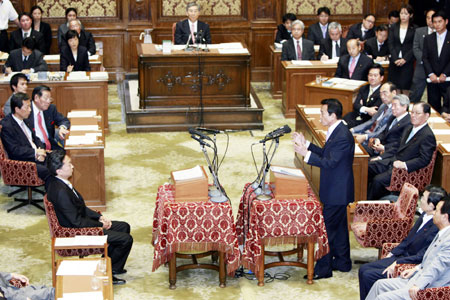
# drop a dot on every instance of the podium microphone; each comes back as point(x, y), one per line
point(209, 130)
point(187, 48)
point(194, 132)
point(279, 132)
point(202, 142)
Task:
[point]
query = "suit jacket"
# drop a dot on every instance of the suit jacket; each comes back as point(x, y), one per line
point(354, 32)
point(374, 100)
point(35, 60)
point(380, 126)
point(86, 40)
point(371, 48)
point(315, 33)
point(413, 247)
point(70, 209)
point(390, 137)
point(433, 63)
point(335, 161)
point(419, 37)
point(326, 47)
point(288, 50)
point(16, 38)
point(52, 118)
point(46, 31)
point(182, 32)
point(62, 30)
point(30, 291)
point(66, 59)
point(361, 70)
point(15, 141)
point(395, 46)
point(282, 34)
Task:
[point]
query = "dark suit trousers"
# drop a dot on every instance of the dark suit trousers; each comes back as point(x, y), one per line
point(437, 91)
point(335, 217)
point(380, 173)
point(418, 84)
point(120, 242)
point(371, 272)
point(4, 42)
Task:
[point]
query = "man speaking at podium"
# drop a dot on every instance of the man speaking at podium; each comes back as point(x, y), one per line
point(190, 28)
point(335, 161)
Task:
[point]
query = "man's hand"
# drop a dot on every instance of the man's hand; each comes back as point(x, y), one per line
point(62, 132)
point(380, 59)
point(446, 116)
point(370, 56)
point(413, 292)
point(377, 146)
point(300, 149)
point(26, 71)
point(434, 78)
point(372, 110)
point(390, 270)
point(298, 138)
point(360, 138)
point(400, 62)
point(408, 273)
point(21, 278)
point(41, 154)
point(324, 57)
point(375, 158)
point(442, 78)
point(69, 68)
point(8, 70)
point(399, 164)
point(106, 222)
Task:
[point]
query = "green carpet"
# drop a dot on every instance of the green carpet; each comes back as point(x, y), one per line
point(135, 165)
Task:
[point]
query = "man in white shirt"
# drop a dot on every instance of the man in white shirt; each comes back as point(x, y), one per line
point(297, 48)
point(192, 29)
point(7, 13)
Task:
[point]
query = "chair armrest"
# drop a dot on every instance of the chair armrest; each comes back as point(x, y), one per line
point(387, 248)
point(379, 232)
point(365, 212)
point(435, 293)
point(17, 283)
point(402, 267)
point(71, 232)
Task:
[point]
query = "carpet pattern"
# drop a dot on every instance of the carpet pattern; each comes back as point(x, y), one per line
point(135, 165)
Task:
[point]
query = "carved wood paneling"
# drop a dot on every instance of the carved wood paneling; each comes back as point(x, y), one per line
point(265, 9)
point(112, 43)
point(139, 10)
point(208, 7)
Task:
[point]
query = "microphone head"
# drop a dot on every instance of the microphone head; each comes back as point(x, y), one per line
point(192, 131)
point(286, 129)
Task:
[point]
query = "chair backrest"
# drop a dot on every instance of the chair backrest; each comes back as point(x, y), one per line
point(275, 33)
point(52, 219)
point(174, 26)
point(405, 207)
point(3, 154)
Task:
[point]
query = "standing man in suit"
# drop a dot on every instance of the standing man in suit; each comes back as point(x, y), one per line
point(363, 30)
point(72, 212)
point(44, 117)
point(297, 48)
point(436, 61)
point(185, 30)
point(7, 13)
point(25, 31)
point(420, 78)
point(368, 100)
point(334, 46)
point(411, 249)
point(415, 152)
point(319, 31)
point(26, 59)
point(19, 141)
point(433, 270)
point(355, 65)
point(376, 47)
point(18, 84)
point(335, 161)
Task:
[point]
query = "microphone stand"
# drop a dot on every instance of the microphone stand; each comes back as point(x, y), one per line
point(188, 47)
point(265, 193)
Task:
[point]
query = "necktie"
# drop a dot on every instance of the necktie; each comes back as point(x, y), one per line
point(25, 35)
point(25, 131)
point(338, 49)
point(393, 123)
point(352, 69)
point(439, 38)
point(48, 146)
point(374, 125)
point(379, 47)
point(411, 134)
point(364, 34)
point(299, 51)
point(192, 33)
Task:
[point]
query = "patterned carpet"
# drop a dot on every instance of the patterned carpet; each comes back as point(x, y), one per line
point(136, 164)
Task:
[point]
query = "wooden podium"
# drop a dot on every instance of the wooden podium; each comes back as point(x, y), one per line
point(191, 190)
point(288, 186)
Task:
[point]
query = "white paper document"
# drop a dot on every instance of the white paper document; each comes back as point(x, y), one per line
point(344, 86)
point(193, 173)
point(93, 57)
point(316, 48)
point(287, 171)
point(77, 267)
point(51, 57)
point(233, 51)
point(446, 147)
point(355, 82)
point(337, 80)
point(358, 150)
point(82, 295)
point(84, 128)
point(441, 131)
point(82, 114)
point(312, 110)
point(99, 75)
point(330, 61)
point(81, 240)
point(74, 140)
point(301, 62)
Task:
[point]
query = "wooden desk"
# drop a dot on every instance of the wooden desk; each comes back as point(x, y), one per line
point(276, 73)
point(441, 172)
point(316, 92)
point(168, 80)
point(315, 132)
point(69, 95)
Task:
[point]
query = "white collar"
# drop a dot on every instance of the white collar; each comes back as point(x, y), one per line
point(333, 127)
point(416, 129)
point(402, 116)
point(19, 121)
point(375, 88)
point(67, 182)
point(36, 110)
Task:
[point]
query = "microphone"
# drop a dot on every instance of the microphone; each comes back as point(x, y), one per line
point(199, 36)
point(194, 132)
point(187, 44)
point(279, 132)
point(209, 130)
point(202, 142)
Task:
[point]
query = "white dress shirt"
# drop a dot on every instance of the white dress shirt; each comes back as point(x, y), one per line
point(38, 131)
point(7, 13)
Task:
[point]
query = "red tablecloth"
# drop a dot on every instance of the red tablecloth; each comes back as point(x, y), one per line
point(279, 222)
point(192, 226)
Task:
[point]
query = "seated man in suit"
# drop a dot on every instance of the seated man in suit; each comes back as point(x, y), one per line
point(72, 212)
point(25, 31)
point(411, 249)
point(45, 113)
point(10, 292)
point(73, 57)
point(414, 152)
point(377, 47)
point(186, 30)
point(334, 46)
point(284, 30)
point(363, 30)
point(375, 125)
point(26, 59)
point(297, 48)
point(354, 65)
point(319, 31)
point(85, 38)
point(19, 141)
point(18, 84)
point(433, 271)
point(368, 99)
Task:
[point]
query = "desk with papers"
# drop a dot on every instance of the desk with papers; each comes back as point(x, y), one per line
point(441, 172)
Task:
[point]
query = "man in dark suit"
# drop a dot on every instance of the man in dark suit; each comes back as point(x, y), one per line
point(420, 78)
point(414, 152)
point(385, 145)
point(376, 47)
point(363, 30)
point(26, 59)
point(355, 65)
point(368, 100)
point(319, 31)
point(411, 249)
point(186, 30)
point(297, 48)
point(25, 31)
point(334, 46)
point(72, 212)
point(284, 30)
point(19, 141)
point(335, 161)
point(18, 84)
point(44, 117)
point(85, 38)
point(436, 61)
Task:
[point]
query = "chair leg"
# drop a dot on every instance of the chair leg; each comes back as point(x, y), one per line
point(29, 201)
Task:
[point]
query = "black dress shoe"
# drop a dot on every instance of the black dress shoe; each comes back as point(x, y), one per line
point(123, 271)
point(118, 281)
point(317, 277)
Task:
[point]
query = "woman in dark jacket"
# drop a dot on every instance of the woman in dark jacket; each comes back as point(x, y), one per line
point(73, 57)
point(284, 30)
point(42, 27)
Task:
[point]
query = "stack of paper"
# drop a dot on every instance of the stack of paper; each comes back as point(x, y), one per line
point(441, 131)
point(51, 57)
point(193, 173)
point(78, 75)
point(82, 295)
point(436, 120)
point(301, 62)
point(446, 147)
point(358, 150)
point(86, 139)
point(93, 57)
point(331, 61)
point(81, 240)
point(99, 75)
point(312, 110)
point(77, 267)
point(233, 51)
point(287, 171)
point(82, 114)
point(84, 128)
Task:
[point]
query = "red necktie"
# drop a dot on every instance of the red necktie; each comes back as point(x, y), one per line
point(299, 51)
point(352, 67)
point(48, 146)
